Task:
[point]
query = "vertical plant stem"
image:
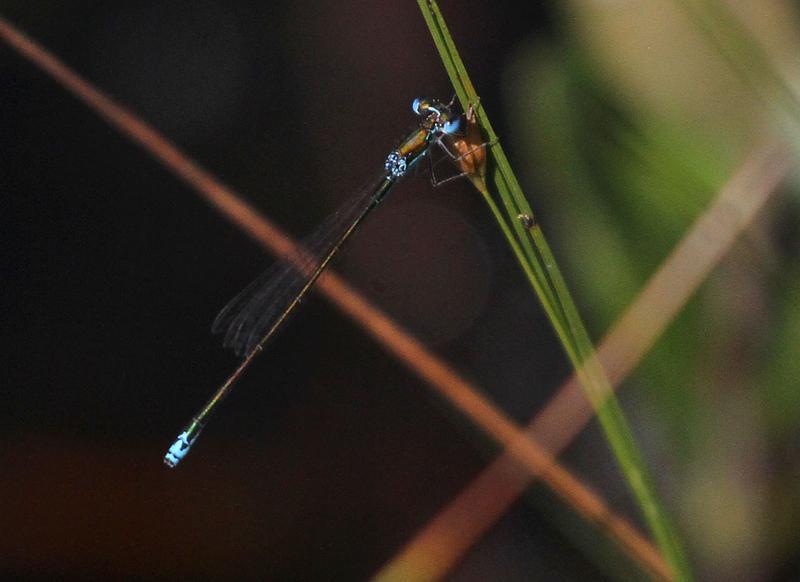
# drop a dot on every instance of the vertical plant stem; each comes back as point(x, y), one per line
point(539, 265)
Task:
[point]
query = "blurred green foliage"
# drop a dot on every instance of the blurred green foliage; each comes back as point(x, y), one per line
point(622, 182)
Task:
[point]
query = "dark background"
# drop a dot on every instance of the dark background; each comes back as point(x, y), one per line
point(330, 454)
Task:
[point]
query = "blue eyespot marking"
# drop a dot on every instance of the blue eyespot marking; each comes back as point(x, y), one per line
point(416, 105)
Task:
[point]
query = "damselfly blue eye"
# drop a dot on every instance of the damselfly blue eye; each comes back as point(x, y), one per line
point(453, 126)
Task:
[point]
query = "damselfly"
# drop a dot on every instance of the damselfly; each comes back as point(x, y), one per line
point(255, 315)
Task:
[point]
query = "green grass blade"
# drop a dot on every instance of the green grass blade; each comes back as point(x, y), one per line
point(539, 265)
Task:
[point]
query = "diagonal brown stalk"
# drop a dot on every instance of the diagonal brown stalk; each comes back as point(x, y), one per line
point(383, 329)
point(445, 539)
